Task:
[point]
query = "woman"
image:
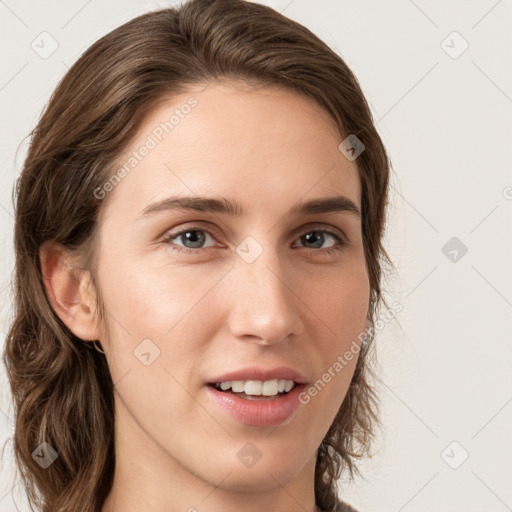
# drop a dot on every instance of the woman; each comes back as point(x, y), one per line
point(198, 240)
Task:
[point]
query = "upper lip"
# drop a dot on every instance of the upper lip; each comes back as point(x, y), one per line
point(263, 374)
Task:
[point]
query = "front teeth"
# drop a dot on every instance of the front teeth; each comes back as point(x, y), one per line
point(257, 387)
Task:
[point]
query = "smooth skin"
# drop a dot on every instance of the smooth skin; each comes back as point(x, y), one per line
point(210, 312)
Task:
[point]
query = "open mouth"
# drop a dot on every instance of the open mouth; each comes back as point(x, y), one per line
point(256, 389)
point(256, 402)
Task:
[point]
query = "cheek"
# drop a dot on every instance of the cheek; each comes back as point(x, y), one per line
point(157, 321)
point(154, 296)
point(341, 304)
point(169, 305)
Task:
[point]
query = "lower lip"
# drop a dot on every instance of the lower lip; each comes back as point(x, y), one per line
point(258, 413)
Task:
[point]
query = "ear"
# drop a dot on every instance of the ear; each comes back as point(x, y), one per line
point(69, 291)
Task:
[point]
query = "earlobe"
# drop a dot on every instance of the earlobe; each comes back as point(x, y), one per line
point(68, 291)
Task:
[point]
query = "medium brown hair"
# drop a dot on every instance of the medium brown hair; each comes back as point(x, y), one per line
point(62, 389)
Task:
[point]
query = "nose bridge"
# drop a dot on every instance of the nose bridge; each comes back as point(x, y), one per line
point(264, 306)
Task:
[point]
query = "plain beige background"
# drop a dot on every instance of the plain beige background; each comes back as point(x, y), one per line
point(439, 80)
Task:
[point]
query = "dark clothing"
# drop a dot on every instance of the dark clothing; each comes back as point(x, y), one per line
point(342, 506)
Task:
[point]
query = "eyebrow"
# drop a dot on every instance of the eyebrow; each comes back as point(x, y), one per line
point(225, 206)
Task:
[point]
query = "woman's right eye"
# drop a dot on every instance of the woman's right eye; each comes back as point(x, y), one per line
point(194, 236)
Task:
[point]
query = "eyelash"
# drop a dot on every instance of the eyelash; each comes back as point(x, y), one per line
point(331, 250)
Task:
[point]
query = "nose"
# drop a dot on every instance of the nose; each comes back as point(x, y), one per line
point(265, 307)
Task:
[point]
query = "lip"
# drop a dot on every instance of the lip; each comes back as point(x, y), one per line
point(258, 413)
point(263, 374)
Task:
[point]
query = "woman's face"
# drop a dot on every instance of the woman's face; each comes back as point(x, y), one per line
point(249, 284)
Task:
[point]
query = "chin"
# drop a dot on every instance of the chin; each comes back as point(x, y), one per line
point(277, 471)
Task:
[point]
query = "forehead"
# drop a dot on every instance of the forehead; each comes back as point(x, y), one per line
point(256, 144)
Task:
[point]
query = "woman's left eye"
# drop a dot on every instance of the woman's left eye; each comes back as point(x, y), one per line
point(318, 236)
point(196, 237)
